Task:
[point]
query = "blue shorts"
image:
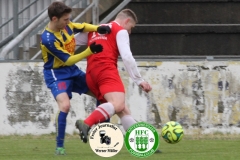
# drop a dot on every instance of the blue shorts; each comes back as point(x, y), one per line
point(66, 79)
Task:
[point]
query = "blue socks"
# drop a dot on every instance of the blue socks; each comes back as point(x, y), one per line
point(61, 120)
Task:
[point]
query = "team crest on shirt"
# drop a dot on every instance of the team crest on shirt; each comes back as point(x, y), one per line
point(70, 47)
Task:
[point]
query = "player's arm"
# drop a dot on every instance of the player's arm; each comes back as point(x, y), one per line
point(92, 49)
point(129, 62)
point(73, 59)
point(54, 47)
point(86, 27)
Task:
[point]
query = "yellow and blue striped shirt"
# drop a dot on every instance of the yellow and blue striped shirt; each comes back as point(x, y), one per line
point(57, 47)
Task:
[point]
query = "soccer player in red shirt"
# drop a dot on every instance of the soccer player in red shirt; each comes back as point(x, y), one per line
point(102, 75)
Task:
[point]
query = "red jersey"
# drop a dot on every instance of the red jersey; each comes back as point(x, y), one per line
point(110, 52)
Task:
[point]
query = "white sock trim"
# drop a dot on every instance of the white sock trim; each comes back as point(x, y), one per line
point(107, 109)
point(103, 113)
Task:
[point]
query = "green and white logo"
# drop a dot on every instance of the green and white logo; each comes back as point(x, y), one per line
point(141, 139)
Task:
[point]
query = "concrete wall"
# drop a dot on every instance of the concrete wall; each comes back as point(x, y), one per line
point(203, 96)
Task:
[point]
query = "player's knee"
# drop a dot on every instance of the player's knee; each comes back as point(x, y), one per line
point(65, 107)
point(119, 107)
point(63, 102)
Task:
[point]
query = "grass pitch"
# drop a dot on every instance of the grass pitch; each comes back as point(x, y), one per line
point(29, 147)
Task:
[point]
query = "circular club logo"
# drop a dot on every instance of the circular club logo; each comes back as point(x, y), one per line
point(106, 139)
point(142, 139)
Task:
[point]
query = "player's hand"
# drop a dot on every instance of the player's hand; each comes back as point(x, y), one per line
point(96, 48)
point(145, 86)
point(104, 29)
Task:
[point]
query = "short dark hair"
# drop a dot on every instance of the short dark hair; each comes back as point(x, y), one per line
point(127, 13)
point(58, 9)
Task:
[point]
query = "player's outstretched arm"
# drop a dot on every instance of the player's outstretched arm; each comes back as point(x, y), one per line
point(55, 48)
point(86, 27)
point(99, 29)
point(122, 39)
point(93, 48)
point(129, 61)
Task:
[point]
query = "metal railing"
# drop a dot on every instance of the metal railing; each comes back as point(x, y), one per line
point(115, 11)
point(24, 37)
point(13, 21)
point(21, 28)
point(16, 15)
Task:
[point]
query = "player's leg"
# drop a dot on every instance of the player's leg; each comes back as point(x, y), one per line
point(127, 120)
point(106, 84)
point(101, 113)
point(98, 104)
point(115, 103)
point(102, 85)
point(62, 96)
point(80, 86)
point(60, 81)
point(60, 121)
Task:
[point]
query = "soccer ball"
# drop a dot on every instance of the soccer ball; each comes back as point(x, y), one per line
point(172, 132)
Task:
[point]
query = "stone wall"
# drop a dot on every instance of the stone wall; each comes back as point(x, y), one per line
point(202, 95)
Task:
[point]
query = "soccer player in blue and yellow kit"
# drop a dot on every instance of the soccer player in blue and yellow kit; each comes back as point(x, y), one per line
point(61, 74)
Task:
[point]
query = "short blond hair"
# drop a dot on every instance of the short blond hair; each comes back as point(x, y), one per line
point(127, 13)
